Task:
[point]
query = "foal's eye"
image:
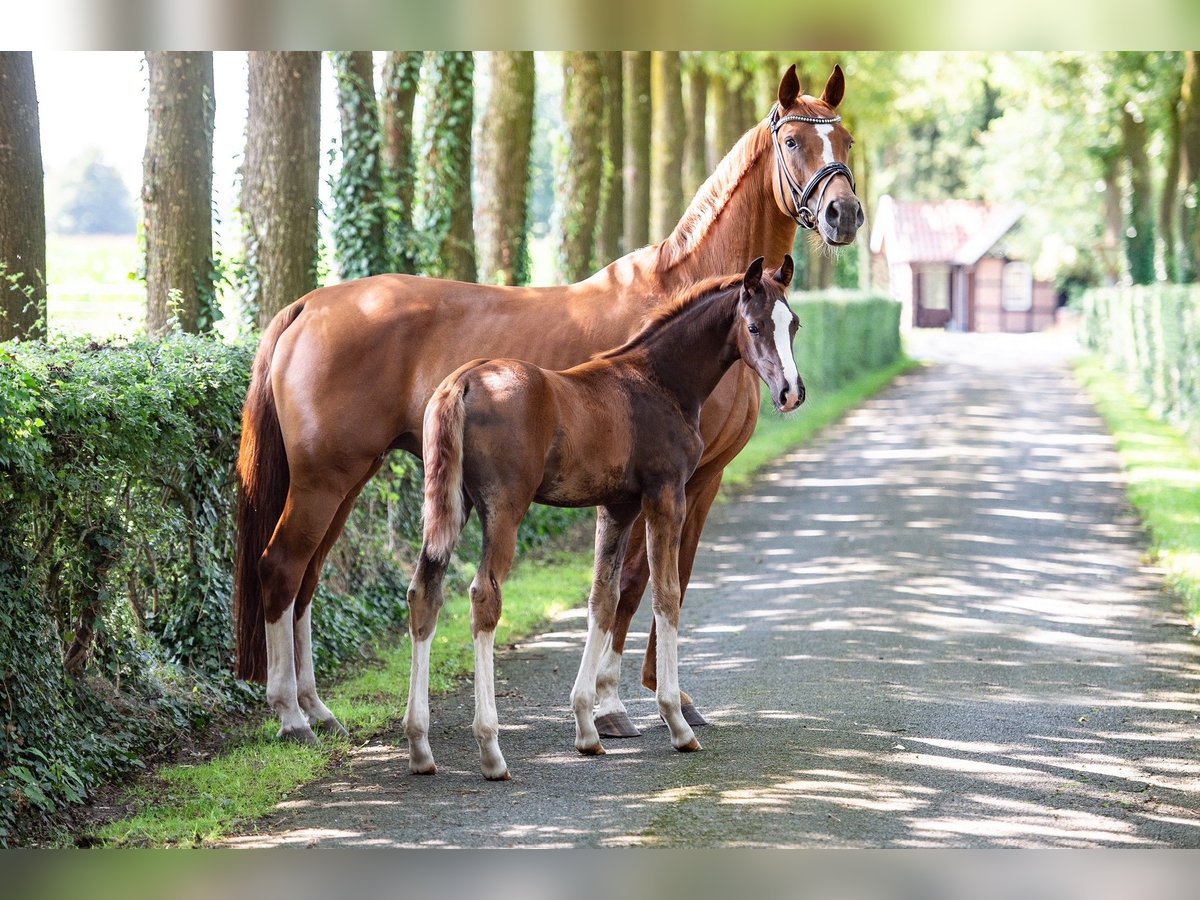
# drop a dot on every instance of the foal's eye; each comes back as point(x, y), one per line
point(754, 329)
point(791, 143)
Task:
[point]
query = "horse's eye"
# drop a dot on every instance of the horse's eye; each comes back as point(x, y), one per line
point(754, 329)
point(791, 143)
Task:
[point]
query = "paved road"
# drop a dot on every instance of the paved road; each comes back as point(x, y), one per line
point(930, 628)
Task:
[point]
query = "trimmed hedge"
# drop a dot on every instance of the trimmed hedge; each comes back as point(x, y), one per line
point(1151, 335)
point(843, 335)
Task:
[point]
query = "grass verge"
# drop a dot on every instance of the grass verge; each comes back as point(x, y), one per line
point(195, 805)
point(1163, 470)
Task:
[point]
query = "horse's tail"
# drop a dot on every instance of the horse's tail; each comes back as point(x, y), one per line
point(442, 512)
point(263, 480)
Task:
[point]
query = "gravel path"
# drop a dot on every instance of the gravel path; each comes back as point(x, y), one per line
point(931, 628)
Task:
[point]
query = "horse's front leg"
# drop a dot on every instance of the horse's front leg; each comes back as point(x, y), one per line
point(664, 522)
point(612, 537)
point(611, 717)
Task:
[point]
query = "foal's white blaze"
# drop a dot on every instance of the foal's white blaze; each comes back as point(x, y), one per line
point(823, 132)
point(781, 315)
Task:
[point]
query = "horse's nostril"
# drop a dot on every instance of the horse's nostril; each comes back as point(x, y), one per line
point(783, 397)
point(831, 213)
point(861, 217)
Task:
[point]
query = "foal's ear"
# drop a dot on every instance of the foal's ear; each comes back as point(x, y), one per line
point(753, 278)
point(835, 87)
point(783, 274)
point(789, 89)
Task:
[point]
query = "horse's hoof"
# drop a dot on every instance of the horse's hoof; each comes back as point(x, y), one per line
point(691, 715)
point(301, 734)
point(690, 747)
point(331, 727)
point(430, 769)
point(503, 776)
point(596, 749)
point(616, 725)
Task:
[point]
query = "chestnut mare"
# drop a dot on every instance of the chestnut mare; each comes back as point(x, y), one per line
point(621, 432)
point(342, 377)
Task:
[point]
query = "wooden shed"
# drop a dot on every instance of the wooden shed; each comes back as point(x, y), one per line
point(947, 264)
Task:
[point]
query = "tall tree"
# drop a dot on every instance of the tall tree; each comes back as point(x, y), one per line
point(668, 130)
point(612, 186)
point(695, 154)
point(1189, 123)
point(579, 198)
point(445, 193)
point(636, 72)
point(401, 81)
point(22, 202)
point(279, 181)
point(504, 146)
point(359, 212)
point(177, 176)
point(1139, 235)
point(1168, 208)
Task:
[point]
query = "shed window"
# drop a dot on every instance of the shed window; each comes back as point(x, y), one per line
point(935, 287)
point(1018, 287)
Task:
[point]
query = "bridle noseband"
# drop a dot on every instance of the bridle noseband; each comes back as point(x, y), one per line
point(805, 216)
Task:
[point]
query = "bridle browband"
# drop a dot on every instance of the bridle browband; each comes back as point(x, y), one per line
point(804, 215)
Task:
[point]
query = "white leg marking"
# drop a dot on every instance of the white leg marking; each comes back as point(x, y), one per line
point(487, 721)
point(416, 713)
point(306, 683)
point(682, 737)
point(782, 317)
point(281, 679)
point(608, 681)
point(583, 695)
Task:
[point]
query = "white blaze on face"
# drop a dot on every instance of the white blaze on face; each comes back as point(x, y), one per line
point(781, 315)
point(823, 132)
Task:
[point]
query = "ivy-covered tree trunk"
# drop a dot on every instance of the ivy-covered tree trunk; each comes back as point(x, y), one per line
point(668, 131)
point(504, 146)
point(359, 214)
point(1168, 208)
point(612, 185)
point(1139, 235)
point(695, 154)
point(22, 202)
point(401, 81)
point(1189, 126)
point(579, 194)
point(1114, 218)
point(177, 176)
point(279, 182)
point(446, 177)
point(636, 72)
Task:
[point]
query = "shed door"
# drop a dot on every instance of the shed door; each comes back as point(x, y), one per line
point(932, 290)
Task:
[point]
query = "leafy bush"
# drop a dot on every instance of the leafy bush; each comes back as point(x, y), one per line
point(844, 334)
point(1151, 335)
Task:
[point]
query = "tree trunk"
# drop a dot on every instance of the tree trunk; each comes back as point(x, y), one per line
point(279, 184)
point(359, 215)
point(612, 186)
point(668, 131)
point(636, 65)
point(695, 155)
point(1189, 122)
point(579, 199)
point(177, 176)
point(401, 80)
point(1114, 218)
point(504, 145)
point(1168, 210)
point(22, 202)
point(446, 177)
point(1139, 235)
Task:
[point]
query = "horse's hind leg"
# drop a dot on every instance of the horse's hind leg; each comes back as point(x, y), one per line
point(424, 604)
point(318, 713)
point(612, 537)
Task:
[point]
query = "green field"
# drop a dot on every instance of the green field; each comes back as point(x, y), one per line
point(92, 287)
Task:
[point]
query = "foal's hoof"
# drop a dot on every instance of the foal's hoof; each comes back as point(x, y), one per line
point(690, 747)
point(616, 725)
point(691, 715)
point(427, 769)
point(300, 734)
point(331, 727)
point(503, 776)
point(596, 749)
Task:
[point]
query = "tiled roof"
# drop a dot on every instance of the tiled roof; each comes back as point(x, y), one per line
point(951, 231)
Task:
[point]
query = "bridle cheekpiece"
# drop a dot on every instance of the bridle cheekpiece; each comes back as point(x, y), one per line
point(804, 215)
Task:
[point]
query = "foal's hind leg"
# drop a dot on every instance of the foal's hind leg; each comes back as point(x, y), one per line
point(424, 604)
point(612, 537)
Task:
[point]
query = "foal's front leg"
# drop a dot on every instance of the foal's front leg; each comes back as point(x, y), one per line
point(612, 537)
point(664, 522)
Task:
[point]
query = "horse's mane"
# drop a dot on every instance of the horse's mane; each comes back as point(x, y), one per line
point(713, 197)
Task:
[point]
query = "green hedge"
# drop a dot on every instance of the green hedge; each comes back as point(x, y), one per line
point(844, 335)
point(1151, 335)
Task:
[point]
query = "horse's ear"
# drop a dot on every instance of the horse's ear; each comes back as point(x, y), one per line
point(835, 88)
point(789, 89)
point(753, 278)
point(783, 274)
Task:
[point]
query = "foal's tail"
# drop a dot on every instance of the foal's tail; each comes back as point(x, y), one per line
point(442, 512)
point(263, 481)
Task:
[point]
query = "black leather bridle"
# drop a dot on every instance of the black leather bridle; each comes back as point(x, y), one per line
point(804, 215)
